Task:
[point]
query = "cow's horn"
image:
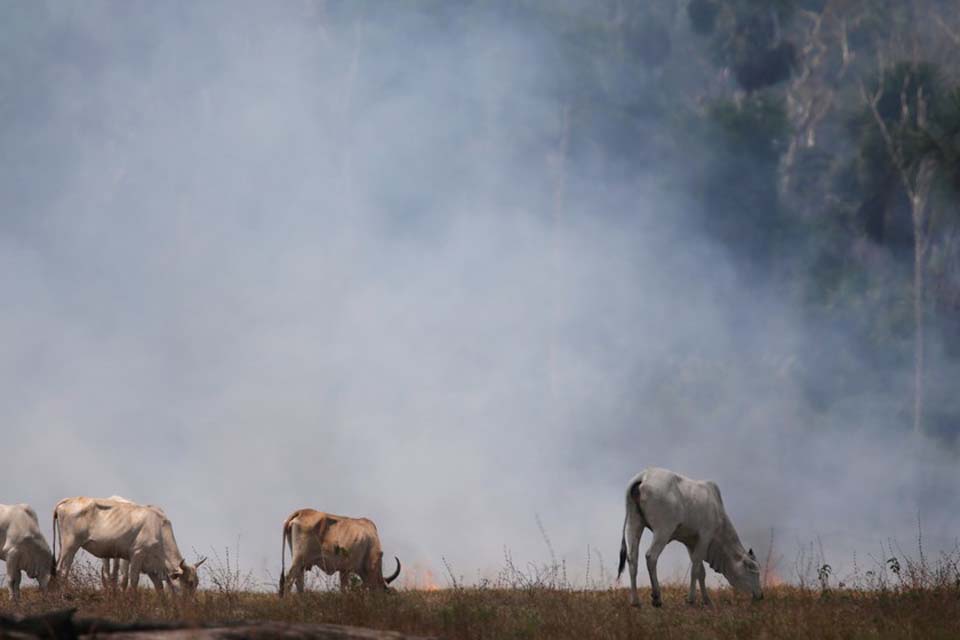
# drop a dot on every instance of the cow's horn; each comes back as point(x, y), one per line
point(396, 573)
point(200, 562)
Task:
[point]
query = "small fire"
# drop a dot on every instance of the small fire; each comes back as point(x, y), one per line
point(429, 584)
point(420, 578)
point(771, 578)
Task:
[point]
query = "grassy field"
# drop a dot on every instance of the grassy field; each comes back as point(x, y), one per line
point(900, 597)
point(786, 612)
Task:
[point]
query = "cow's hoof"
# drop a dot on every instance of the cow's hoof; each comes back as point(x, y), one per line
point(692, 603)
point(636, 605)
point(657, 602)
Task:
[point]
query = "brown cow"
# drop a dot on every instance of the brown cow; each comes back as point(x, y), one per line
point(333, 543)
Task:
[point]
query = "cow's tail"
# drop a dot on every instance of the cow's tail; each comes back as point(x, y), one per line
point(53, 542)
point(623, 549)
point(633, 491)
point(285, 539)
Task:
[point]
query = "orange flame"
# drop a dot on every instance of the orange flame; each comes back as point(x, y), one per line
point(771, 577)
point(420, 578)
point(429, 584)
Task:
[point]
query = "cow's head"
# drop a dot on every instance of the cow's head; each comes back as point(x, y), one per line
point(744, 575)
point(187, 576)
point(42, 570)
point(374, 578)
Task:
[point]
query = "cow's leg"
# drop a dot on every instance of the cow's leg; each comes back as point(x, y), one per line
point(692, 593)
point(291, 575)
point(344, 580)
point(157, 584)
point(660, 540)
point(123, 571)
point(132, 579)
point(115, 573)
point(108, 573)
point(299, 578)
point(105, 573)
point(294, 575)
point(13, 575)
point(698, 573)
point(634, 532)
point(68, 550)
point(702, 578)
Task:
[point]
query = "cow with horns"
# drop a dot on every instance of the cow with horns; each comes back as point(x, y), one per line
point(335, 544)
point(674, 507)
point(114, 570)
point(141, 535)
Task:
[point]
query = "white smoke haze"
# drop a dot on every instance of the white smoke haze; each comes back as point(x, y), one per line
point(257, 258)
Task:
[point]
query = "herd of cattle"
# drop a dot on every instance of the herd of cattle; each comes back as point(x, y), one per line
point(133, 539)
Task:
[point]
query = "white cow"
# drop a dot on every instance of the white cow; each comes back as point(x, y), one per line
point(23, 547)
point(115, 568)
point(690, 511)
point(141, 535)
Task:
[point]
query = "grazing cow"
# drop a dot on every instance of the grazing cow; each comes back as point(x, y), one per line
point(113, 567)
point(674, 507)
point(114, 570)
point(333, 543)
point(23, 547)
point(141, 535)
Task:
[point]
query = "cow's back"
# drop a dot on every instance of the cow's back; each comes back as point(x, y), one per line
point(109, 528)
point(351, 533)
point(665, 496)
point(74, 512)
point(302, 525)
point(18, 520)
point(351, 542)
point(19, 526)
point(304, 518)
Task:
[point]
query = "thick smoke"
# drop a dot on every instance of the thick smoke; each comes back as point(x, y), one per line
point(261, 257)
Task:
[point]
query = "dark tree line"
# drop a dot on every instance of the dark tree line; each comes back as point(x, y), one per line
point(819, 140)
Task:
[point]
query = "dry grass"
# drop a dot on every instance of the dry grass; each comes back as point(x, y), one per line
point(786, 612)
point(897, 597)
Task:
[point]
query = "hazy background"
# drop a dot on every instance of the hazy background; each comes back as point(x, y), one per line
point(261, 256)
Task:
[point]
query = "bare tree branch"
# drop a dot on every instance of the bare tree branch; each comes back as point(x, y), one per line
point(893, 148)
point(950, 33)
